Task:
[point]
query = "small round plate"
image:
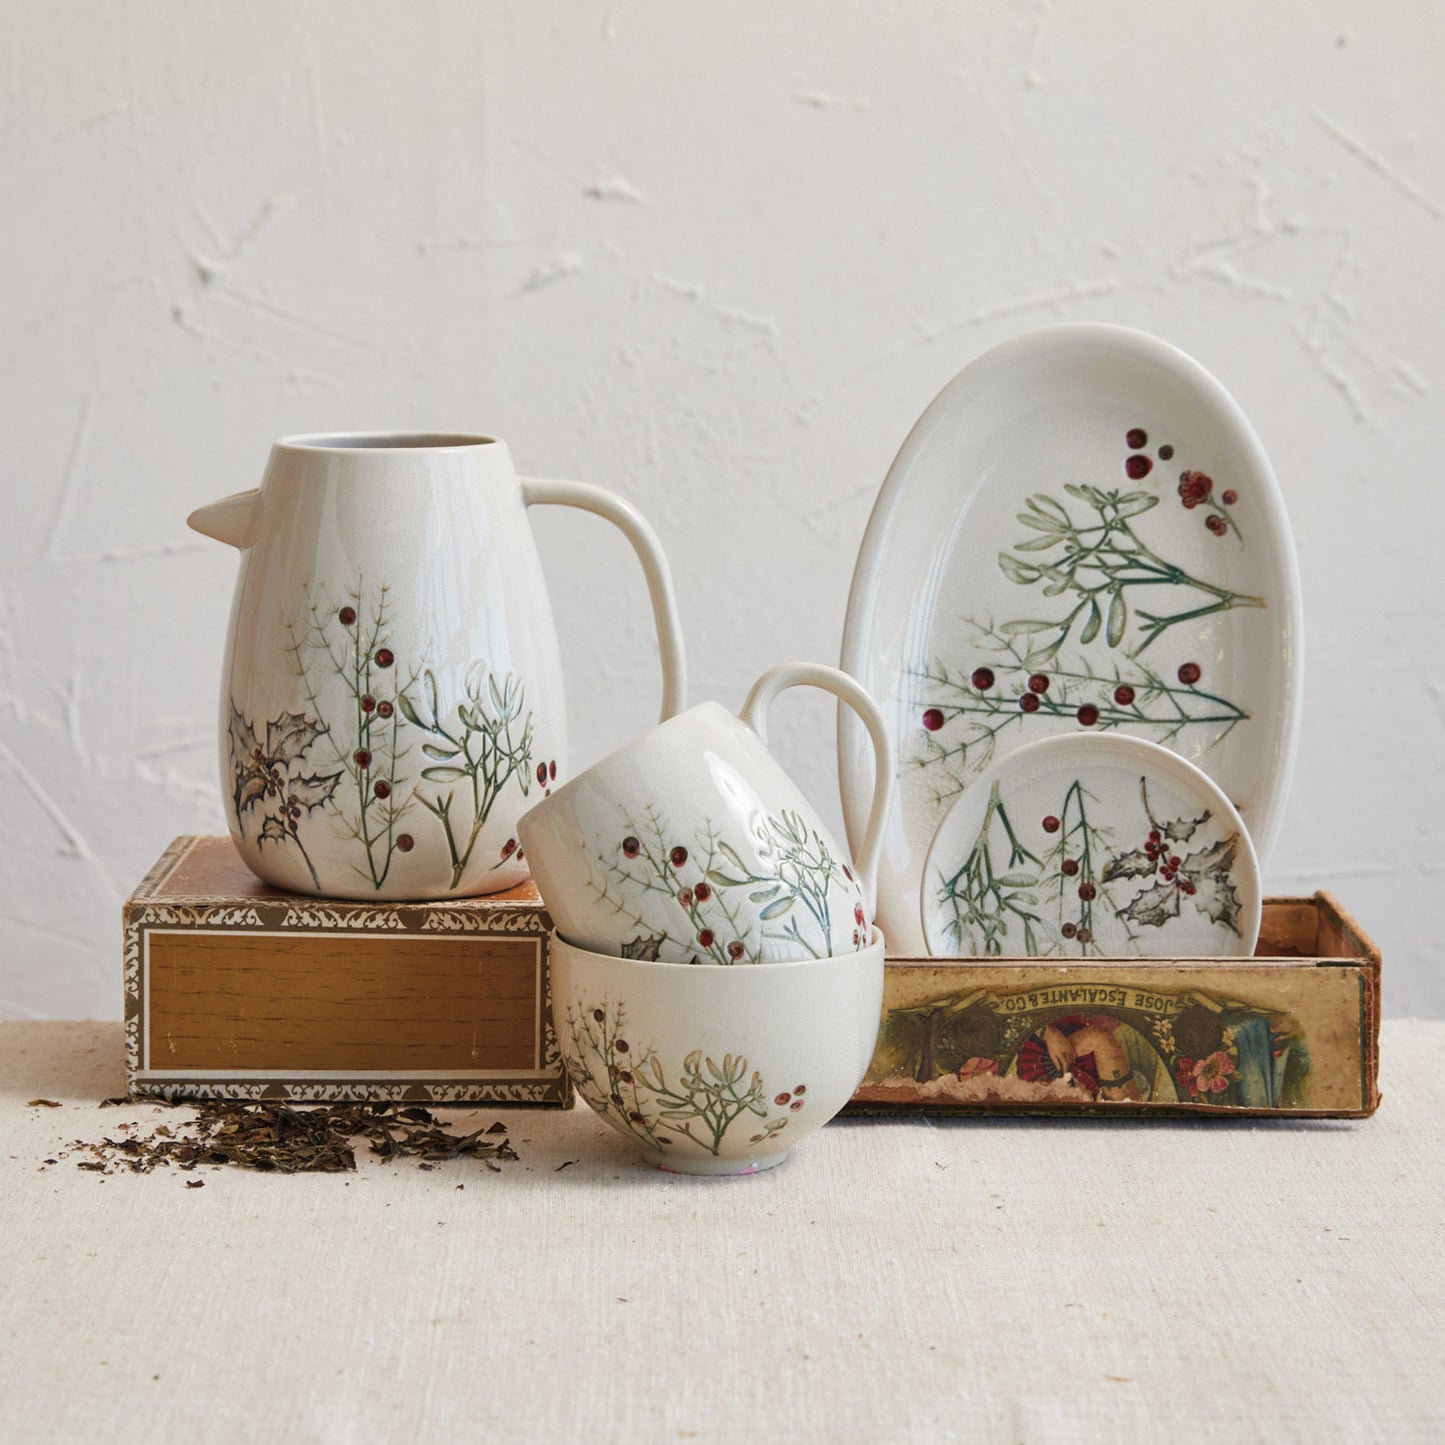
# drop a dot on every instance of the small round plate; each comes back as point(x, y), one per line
point(1095, 845)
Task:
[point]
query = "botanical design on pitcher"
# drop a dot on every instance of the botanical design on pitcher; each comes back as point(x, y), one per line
point(1049, 895)
point(480, 747)
point(792, 881)
point(485, 748)
point(1092, 556)
point(629, 1085)
point(351, 642)
point(1203, 877)
point(274, 778)
point(1084, 1041)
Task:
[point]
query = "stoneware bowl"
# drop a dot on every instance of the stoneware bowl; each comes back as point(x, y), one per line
point(715, 1069)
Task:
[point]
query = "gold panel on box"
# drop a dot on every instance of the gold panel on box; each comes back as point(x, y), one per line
point(234, 990)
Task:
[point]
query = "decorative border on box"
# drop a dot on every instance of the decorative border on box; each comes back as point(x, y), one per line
point(478, 917)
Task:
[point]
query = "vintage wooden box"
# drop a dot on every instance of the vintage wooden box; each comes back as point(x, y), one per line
point(1294, 1030)
point(234, 990)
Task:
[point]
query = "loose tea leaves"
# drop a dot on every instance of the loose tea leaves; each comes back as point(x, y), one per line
point(278, 1138)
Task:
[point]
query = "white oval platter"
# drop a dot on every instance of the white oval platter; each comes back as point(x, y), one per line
point(1081, 533)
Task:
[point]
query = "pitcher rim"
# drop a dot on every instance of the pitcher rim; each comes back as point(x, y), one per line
point(341, 442)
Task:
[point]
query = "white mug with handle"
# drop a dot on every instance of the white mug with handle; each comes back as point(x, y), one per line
point(690, 844)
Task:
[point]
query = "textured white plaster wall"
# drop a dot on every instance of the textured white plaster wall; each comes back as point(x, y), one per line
point(718, 257)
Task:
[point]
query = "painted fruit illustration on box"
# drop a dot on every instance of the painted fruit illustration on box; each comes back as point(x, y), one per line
point(1083, 1042)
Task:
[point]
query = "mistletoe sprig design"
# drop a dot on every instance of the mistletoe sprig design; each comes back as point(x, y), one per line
point(986, 898)
point(273, 775)
point(630, 1085)
point(351, 642)
point(485, 748)
point(1203, 876)
point(802, 875)
point(1099, 561)
point(964, 713)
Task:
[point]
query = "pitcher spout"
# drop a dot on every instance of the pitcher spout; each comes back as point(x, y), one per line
point(228, 520)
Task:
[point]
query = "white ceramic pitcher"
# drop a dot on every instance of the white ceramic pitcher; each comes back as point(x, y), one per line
point(392, 698)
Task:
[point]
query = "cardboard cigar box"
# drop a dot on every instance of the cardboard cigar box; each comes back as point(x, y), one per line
point(1295, 1030)
point(234, 990)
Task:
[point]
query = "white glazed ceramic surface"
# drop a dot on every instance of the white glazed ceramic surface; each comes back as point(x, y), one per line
point(690, 844)
point(1092, 845)
point(392, 696)
point(1081, 533)
point(716, 1070)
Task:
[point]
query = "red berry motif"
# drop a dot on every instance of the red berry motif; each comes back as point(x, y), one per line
point(347, 616)
point(541, 772)
point(1230, 497)
point(382, 788)
point(384, 657)
point(405, 843)
point(552, 770)
point(1189, 673)
point(800, 1089)
point(1051, 824)
point(1086, 935)
point(1029, 702)
point(1166, 452)
point(598, 1015)
point(1087, 892)
point(1069, 929)
point(509, 847)
point(1136, 438)
point(1124, 695)
point(631, 847)
point(1216, 524)
point(1137, 468)
point(983, 678)
point(933, 719)
point(362, 757)
point(705, 938)
point(678, 856)
point(1194, 488)
point(782, 1099)
point(368, 703)
point(796, 1105)
point(1039, 682)
point(1069, 867)
point(858, 916)
point(735, 951)
point(621, 1046)
point(383, 709)
point(520, 855)
point(702, 892)
point(684, 896)
point(1088, 715)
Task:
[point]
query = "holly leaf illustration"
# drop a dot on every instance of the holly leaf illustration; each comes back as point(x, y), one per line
point(249, 786)
point(1217, 900)
point(1137, 864)
point(243, 738)
point(290, 735)
point(1154, 906)
point(316, 790)
point(1181, 830)
point(274, 831)
point(1215, 862)
point(644, 947)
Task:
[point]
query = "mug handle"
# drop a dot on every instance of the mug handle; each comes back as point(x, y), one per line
point(847, 690)
point(634, 526)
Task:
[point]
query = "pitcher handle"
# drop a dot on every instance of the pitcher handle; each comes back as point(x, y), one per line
point(537, 492)
point(850, 692)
